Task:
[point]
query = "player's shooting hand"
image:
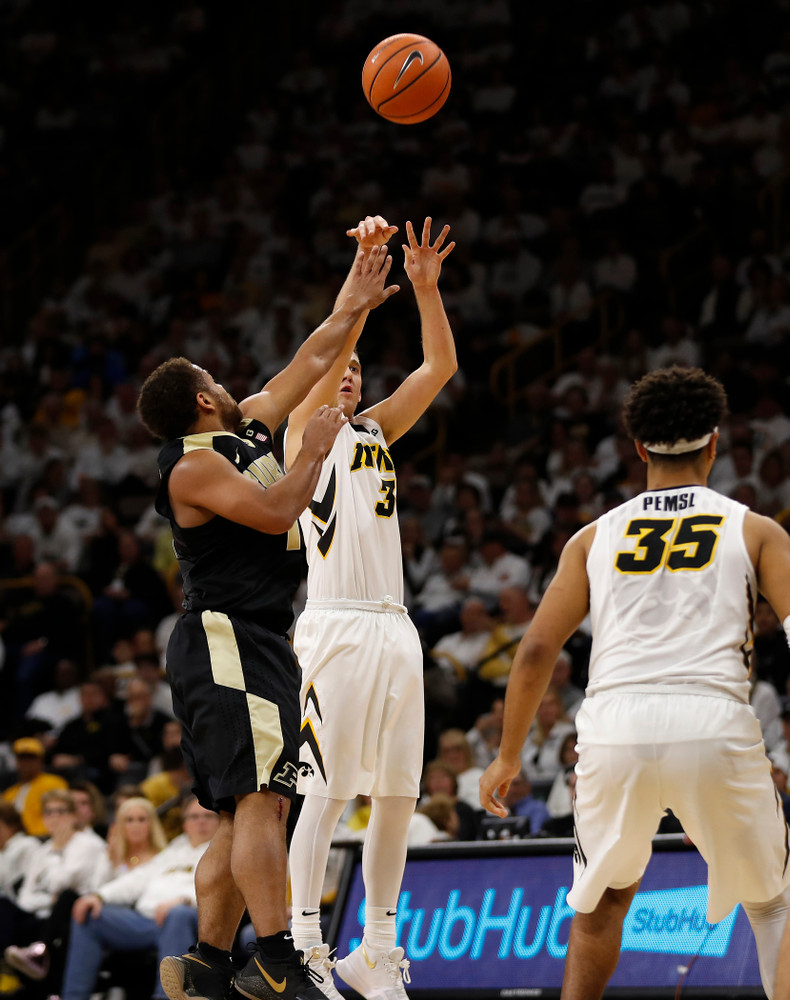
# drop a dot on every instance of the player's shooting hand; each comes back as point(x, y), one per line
point(321, 430)
point(494, 782)
point(366, 288)
point(423, 261)
point(372, 231)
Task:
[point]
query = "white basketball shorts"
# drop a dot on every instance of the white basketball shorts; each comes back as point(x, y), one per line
point(363, 708)
point(700, 756)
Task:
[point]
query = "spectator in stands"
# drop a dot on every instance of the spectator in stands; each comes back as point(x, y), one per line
point(53, 709)
point(145, 725)
point(93, 745)
point(16, 850)
point(137, 835)
point(500, 567)
point(153, 905)
point(167, 788)
point(570, 695)
point(436, 608)
point(521, 802)
point(439, 778)
point(435, 820)
point(559, 801)
point(134, 598)
point(540, 756)
point(39, 632)
point(90, 809)
point(454, 750)
point(516, 611)
point(66, 860)
point(33, 783)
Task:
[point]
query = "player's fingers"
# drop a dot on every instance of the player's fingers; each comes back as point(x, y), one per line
point(440, 238)
point(426, 231)
point(410, 235)
point(448, 249)
point(389, 291)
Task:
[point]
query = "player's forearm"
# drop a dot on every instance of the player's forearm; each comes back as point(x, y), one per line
point(438, 344)
point(529, 678)
point(325, 343)
point(287, 498)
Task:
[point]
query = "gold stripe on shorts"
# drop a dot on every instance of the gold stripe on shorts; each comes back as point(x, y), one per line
point(226, 669)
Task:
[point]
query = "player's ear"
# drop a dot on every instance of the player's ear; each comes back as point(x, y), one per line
point(641, 450)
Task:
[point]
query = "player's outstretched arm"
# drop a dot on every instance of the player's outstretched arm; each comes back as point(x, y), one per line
point(559, 614)
point(366, 289)
point(423, 263)
point(204, 483)
point(371, 232)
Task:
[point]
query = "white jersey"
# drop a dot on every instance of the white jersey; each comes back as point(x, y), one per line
point(350, 527)
point(672, 590)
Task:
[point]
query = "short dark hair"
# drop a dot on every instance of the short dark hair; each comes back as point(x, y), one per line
point(10, 816)
point(167, 403)
point(671, 404)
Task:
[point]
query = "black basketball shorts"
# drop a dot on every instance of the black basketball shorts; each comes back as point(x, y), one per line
point(236, 693)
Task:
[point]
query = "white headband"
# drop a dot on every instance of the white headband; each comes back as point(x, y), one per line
point(681, 446)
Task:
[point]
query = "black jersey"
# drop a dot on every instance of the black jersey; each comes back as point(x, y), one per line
point(226, 566)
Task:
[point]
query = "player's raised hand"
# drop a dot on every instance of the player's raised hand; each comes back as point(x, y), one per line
point(365, 288)
point(321, 430)
point(423, 261)
point(372, 231)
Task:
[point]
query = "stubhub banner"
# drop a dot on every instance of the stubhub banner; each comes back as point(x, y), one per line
point(502, 922)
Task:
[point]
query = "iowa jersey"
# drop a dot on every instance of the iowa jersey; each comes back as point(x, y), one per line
point(226, 566)
point(671, 593)
point(350, 528)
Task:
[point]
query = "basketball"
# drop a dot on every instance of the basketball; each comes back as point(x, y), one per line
point(406, 78)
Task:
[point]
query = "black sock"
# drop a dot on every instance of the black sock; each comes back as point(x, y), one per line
point(277, 946)
point(218, 955)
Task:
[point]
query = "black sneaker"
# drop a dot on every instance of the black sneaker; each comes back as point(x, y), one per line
point(193, 977)
point(287, 979)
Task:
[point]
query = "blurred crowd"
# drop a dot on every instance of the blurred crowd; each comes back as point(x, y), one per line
point(581, 141)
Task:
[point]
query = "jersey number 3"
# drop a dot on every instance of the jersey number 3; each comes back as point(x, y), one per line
point(385, 507)
point(679, 543)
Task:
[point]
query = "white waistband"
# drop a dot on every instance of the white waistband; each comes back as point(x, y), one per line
point(386, 604)
point(707, 690)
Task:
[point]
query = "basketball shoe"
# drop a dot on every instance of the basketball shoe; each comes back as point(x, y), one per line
point(376, 975)
point(317, 957)
point(194, 977)
point(291, 978)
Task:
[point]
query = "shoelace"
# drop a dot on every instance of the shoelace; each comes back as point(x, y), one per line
point(309, 972)
point(326, 960)
point(396, 970)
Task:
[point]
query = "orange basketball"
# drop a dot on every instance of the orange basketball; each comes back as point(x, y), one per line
point(406, 78)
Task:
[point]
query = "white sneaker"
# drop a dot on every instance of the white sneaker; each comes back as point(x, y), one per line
point(376, 975)
point(317, 957)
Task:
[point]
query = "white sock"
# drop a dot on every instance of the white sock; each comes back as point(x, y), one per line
point(380, 928)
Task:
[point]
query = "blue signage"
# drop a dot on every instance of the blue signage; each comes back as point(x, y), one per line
point(502, 922)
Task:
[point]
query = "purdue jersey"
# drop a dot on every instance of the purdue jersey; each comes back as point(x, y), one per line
point(672, 589)
point(350, 528)
point(226, 566)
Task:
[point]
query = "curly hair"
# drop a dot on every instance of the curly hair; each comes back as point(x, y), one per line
point(671, 404)
point(166, 403)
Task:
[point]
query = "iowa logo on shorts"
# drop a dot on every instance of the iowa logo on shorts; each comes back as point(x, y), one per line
point(307, 736)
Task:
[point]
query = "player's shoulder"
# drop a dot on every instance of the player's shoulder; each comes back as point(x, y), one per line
point(366, 427)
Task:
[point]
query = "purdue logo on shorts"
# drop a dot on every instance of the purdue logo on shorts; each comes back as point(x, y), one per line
point(287, 776)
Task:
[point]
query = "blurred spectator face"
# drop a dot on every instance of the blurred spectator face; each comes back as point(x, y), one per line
point(138, 701)
point(454, 750)
point(561, 674)
point(549, 710)
point(83, 809)
point(200, 824)
point(58, 817)
point(452, 557)
point(441, 780)
point(28, 766)
point(514, 604)
point(45, 579)
point(93, 698)
point(474, 617)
